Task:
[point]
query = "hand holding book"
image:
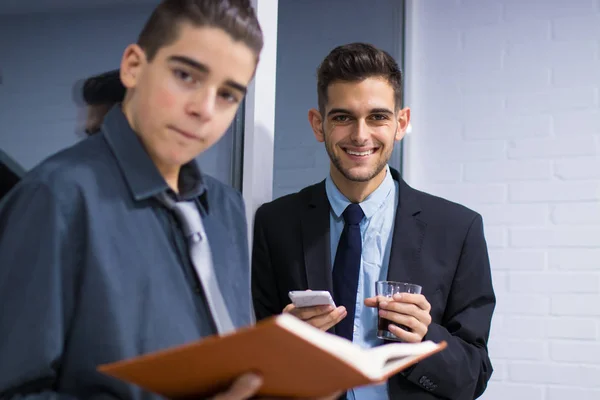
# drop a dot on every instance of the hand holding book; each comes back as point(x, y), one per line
point(246, 386)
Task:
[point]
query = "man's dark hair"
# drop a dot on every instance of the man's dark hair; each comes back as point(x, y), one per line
point(355, 62)
point(105, 88)
point(236, 17)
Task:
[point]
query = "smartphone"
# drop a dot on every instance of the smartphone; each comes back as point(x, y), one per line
point(311, 298)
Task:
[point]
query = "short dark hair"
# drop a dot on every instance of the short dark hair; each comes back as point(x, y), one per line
point(355, 62)
point(236, 17)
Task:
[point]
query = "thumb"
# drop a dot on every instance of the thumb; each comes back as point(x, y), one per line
point(242, 388)
point(289, 308)
point(371, 302)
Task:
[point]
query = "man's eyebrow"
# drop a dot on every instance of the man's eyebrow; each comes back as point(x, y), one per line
point(338, 111)
point(204, 68)
point(372, 111)
point(190, 63)
point(237, 86)
point(381, 111)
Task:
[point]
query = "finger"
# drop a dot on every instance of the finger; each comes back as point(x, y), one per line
point(409, 310)
point(242, 388)
point(325, 322)
point(413, 324)
point(289, 308)
point(332, 397)
point(375, 301)
point(371, 302)
point(417, 299)
point(401, 308)
point(306, 313)
point(404, 335)
point(405, 308)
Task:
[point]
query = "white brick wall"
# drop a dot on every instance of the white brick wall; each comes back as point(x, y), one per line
point(505, 96)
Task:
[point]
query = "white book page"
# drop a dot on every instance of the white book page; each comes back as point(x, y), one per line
point(339, 347)
point(374, 363)
point(391, 356)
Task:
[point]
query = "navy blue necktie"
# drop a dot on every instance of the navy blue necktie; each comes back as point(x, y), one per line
point(346, 268)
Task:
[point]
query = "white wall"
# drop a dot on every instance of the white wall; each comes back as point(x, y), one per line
point(506, 119)
point(259, 118)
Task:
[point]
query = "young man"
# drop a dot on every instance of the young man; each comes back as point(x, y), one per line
point(94, 262)
point(399, 234)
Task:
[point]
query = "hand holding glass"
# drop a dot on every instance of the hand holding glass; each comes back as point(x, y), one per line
point(389, 289)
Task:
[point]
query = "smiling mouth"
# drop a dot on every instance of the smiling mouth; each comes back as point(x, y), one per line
point(365, 153)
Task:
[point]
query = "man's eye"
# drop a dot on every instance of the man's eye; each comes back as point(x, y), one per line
point(183, 76)
point(229, 97)
point(379, 117)
point(340, 118)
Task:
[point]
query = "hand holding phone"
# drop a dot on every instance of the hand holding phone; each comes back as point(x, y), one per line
point(316, 308)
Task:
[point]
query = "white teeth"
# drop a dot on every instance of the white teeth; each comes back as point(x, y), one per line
point(359, 153)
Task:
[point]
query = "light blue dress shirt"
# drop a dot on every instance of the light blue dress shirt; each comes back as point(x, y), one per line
point(376, 231)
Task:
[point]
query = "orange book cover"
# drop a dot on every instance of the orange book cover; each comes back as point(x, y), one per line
point(294, 359)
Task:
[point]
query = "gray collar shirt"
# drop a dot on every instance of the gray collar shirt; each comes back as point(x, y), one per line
point(94, 269)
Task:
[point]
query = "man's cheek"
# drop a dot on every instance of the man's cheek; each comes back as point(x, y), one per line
point(166, 98)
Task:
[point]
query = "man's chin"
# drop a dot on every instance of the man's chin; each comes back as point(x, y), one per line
point(359, 176)
point(362, 173)
point(177, 160)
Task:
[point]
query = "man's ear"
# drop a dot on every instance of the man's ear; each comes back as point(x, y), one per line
point(316, 122)
point(403, 120)
point(132, 62)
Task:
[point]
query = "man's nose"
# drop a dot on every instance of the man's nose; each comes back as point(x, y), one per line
point(203, 103)
point(361, 133)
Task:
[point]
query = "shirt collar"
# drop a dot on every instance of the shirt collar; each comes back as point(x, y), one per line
point(370, 205)
point(141, 175)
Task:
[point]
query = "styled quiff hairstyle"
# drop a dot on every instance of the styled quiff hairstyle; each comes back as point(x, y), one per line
point(355, 62)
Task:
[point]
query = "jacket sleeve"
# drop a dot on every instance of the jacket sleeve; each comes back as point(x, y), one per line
point(462, 370)
point(264, 282)
point(36, 292)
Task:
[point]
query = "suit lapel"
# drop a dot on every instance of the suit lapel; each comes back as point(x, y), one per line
point(407, 239)
point(316, 240)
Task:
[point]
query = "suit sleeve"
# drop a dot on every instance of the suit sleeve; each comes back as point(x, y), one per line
point(36, 293)
point(264, 282)
point(462, 370)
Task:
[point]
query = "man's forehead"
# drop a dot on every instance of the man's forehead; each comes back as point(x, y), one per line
point(373, 84)
point(213, 48)
point(369, 93)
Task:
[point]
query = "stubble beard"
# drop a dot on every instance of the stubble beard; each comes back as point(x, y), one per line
point(337, 163)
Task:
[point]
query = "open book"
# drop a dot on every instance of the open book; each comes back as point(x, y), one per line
point(294, 359)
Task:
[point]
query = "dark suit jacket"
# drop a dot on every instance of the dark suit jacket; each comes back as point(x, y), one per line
point(437, 244)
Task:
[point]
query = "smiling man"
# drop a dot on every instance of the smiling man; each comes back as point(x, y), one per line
point(364, 224)
point(96, 260)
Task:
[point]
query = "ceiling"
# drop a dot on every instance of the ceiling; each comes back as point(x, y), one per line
point(31, 6)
